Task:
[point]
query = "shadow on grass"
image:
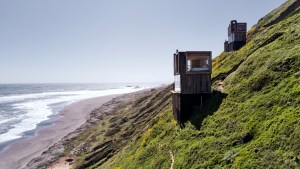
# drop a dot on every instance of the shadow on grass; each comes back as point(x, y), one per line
point(210, 105)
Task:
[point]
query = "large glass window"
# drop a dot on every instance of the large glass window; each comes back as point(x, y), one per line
point(177, 83)
point(197, 62)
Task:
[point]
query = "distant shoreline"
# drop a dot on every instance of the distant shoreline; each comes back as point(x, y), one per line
point(19, 153)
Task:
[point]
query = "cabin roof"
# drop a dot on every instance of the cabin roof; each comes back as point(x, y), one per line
point(195, 51)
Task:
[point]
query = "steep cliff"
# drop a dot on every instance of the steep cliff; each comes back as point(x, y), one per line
point(252, 119)
point(252, 123)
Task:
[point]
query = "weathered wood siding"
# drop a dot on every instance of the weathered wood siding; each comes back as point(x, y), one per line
point(196, 83)
point(182, 63)
point(176, 106)
point(239, 36)
point(193, 83)
point(236, 45)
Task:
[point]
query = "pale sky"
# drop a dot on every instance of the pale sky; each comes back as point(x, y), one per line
point(80, 41)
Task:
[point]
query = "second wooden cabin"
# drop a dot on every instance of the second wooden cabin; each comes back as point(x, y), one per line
point(192, 74)
point(236, 36)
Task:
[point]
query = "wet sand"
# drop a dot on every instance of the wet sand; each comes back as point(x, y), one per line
point(18, 154)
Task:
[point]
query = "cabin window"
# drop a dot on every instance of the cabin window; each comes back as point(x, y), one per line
point(197, 62)
point(177, 83)
point(241, 27)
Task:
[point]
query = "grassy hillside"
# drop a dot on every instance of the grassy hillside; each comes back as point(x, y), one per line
point(114, 126)
point(253, 123)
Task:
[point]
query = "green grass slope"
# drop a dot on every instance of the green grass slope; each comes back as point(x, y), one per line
point(253, 123)
point(115, 127)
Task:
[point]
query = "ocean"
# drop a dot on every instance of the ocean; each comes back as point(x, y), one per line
point(24, 108)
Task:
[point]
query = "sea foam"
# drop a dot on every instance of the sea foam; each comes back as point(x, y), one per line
point(37, 107)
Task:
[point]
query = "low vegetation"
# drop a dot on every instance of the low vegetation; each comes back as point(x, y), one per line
point(253, 123)
point(117, 127)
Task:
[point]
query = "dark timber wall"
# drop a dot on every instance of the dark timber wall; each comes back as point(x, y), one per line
point(233, 46)
point(176, 106)
point(193, 83)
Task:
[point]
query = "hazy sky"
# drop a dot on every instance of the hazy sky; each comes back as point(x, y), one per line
point(44, 41)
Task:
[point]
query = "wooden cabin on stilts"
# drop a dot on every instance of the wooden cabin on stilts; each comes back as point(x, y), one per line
point(192, 76)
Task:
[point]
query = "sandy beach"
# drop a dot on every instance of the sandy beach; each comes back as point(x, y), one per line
point(18, 154)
